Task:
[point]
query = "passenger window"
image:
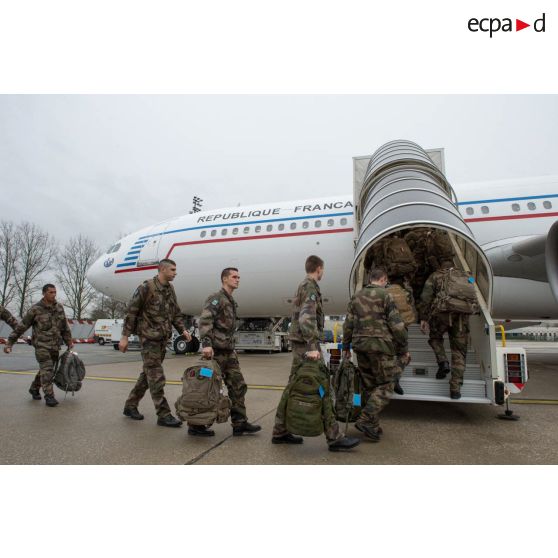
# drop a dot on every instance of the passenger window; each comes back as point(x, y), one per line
point(293, 225)
point(330, 222)
point(305, 225)
point(547, 205)
point(532, 206)
point(235, 231)
point(203, 233)
point(317, 224)
point(281, 226)
point(516, 207)
point(343, 221)
point(115, 247)
point(224, 232)
point(246, 230)
point(269, 228)
point(258, 229)
point(213, 232)
point(484, 209)
point(470, 211)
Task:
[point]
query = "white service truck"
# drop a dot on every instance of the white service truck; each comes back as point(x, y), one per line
point(102, 333)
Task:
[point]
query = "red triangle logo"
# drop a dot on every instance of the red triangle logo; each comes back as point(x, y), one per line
point(519, 25)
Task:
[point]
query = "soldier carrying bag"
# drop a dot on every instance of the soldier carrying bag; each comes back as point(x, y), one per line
point(310, 386)
point(398, 258)
point(456, 293)
point(203, 401)
point(69, 372)
point(347, 385)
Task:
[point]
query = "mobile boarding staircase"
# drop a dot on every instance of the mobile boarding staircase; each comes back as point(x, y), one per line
point(401, 188)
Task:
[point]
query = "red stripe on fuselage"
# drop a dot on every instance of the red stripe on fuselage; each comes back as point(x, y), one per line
point(210, 240)
point(509, 217)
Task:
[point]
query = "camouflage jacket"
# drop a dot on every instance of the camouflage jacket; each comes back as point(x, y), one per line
point(307, 325)
point(417, 241)
point(49, 324)
point(8, 318)
point(373, 323)
point(153, 311)
point(218, 321)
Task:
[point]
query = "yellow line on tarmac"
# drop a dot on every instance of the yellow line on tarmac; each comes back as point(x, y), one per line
point(115, 379)
point(535, 401)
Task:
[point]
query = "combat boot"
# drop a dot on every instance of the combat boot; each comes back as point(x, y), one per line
point(397, 388)
point(370, 432)
point(287, 439)
point(245, 428)
point(455, 394)
point(133, 413)
point(169, 420)
point(35, 393)
point(443, 370)
point(200, 430)
point(344, 444)
point(50, 401)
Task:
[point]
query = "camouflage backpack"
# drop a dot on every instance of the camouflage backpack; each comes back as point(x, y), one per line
point(398, 258)
point(203, 401)
point(456, 293)
point(69, 372)
point(403, 301)
point(347, 384)
point(304, 405)
point(439, 248)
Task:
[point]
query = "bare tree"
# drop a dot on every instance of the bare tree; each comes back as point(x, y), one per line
point(108, 307)
point(72, 264)
point(9, 240)
point(36, 250)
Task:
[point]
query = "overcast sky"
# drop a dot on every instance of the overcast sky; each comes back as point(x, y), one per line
point(108, 165)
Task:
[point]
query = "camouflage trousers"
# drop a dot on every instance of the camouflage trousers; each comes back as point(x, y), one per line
point(377, 373)
point(47, 359)
point(457, 327)
point(331, 426)
point(236, 386)
point(152, 377)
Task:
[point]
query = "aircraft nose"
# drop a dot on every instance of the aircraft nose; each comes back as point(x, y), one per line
point(98, 273)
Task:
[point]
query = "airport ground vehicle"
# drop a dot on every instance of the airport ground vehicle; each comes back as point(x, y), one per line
point(262, 334)
point(116, 334)
point(103, 328)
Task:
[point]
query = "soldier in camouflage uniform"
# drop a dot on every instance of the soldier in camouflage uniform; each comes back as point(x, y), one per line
point(417, 239)
point(306, 332)
point(454, 323)
point(50, 327)
point(217, 327)
point(151, 314)
point(378, 336)
point(6, 316)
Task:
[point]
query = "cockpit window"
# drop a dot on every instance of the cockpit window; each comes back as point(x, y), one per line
point(114, 248)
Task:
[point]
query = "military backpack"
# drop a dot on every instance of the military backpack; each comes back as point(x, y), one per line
point(347, 392)
point(404, 302)
point(456, 293)
point(398, 258)
point(203, 401)
point(439, 248)
point(69, 372)
point(305, 400)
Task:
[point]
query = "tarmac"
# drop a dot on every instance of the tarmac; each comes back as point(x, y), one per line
point(89, 428)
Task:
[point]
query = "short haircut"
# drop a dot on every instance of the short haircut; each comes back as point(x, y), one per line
point(47, 287)
point(312, 263)
point(226, 272)
point(166, 262)
point(376, 274)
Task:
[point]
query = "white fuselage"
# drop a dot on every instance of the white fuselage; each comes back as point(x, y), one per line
point(269, 244)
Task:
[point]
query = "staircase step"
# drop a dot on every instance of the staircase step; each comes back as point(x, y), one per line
point(472, 371)
point(438, 390)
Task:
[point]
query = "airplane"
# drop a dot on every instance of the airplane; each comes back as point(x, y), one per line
point(515, 222)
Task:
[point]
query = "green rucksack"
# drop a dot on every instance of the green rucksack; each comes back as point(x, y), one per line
point(439, 248)
point(404, 301)
point(347, 392)
point(398, 259)
point(203, 401)
point(306, 394)
point(456, 293)
point(69, 372)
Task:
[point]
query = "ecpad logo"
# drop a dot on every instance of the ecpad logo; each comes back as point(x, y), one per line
point(493, 25)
